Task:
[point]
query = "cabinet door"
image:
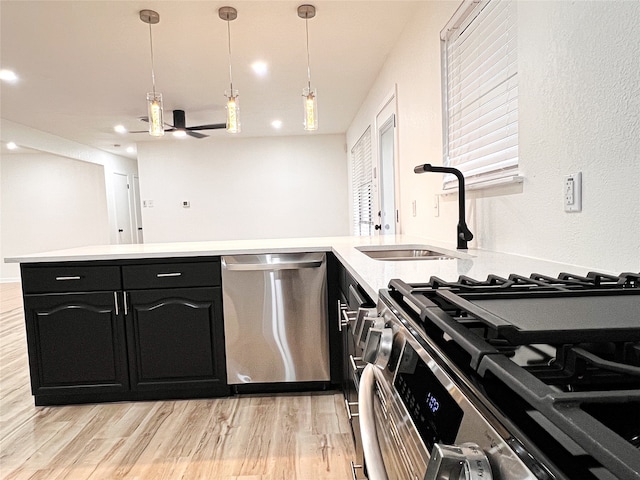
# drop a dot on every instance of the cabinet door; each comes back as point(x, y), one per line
point(76, 344)
point(175, 339)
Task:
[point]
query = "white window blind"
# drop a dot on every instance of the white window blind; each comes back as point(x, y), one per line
point(362, 185)
point(481, 92)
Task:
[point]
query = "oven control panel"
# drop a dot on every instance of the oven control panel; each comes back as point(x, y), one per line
point(436, 415)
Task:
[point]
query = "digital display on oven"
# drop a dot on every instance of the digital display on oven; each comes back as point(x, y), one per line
point(435, 413)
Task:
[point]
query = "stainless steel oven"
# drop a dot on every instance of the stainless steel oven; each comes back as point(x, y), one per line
point(410, 402)
point(465, 380)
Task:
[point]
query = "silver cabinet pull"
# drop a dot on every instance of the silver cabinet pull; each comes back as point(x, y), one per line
point(341, 308)
point(115, 301)
point(172, 274)
point(124, 296)
point(344, 316)
point(354, 366)
point(353, 470)
point(348, 406)
point(75, 277)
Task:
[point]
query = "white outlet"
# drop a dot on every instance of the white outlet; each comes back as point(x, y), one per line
point(413, 208)
point(436, 205)
point(572, 192)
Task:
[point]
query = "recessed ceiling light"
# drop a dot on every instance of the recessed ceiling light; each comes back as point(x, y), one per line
point(131, 150)
point(276, 124)
point(12, 145)
point(8, 76)
point(120, 129)
point(180, 133)
point(260, 68)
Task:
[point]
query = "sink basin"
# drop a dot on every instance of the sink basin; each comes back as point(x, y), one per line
point(402, 252)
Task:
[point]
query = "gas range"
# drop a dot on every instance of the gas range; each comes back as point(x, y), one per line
point(551, 363)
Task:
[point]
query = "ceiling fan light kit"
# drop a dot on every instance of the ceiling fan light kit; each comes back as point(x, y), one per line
point(154, 99)
point(309, 95)
point(229, 14)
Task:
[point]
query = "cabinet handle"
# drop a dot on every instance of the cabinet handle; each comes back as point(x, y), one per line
point(75, 277)
point(355, 367)
point(348, 406)
point(173, 274)
point(345, 316)
point(115, 300)
point(353, 470)
point(124, 296)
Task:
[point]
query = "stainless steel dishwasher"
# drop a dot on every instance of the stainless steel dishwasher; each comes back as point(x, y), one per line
point(275, 318)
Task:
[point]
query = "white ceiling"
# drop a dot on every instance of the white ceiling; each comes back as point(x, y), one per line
point(84, 65)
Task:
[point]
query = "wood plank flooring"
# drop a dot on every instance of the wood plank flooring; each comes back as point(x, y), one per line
point(250, 437)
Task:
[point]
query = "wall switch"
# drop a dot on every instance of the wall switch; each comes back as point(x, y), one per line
point(413, 208)
point(436, 205)
point(572, 191)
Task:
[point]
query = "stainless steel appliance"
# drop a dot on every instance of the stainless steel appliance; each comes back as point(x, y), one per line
point(507, 378)
point(275, 318)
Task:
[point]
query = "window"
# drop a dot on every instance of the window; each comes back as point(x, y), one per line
point(480, 88)
point(362, 185)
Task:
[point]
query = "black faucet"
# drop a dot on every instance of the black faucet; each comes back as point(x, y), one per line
point(464, 234)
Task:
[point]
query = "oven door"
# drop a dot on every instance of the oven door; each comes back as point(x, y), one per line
point(389, 448)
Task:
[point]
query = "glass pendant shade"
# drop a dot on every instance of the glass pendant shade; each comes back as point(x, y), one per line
point(310, 101)
point(156, 115)
point(233, 111)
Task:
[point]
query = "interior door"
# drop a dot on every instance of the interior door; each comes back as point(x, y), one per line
point(386, 147)
point(123, 208)
point(137, 233)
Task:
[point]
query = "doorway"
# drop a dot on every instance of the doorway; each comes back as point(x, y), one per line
point(388, 215)
point(123, 208)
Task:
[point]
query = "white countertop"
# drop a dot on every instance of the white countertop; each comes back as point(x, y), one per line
point(371, 274)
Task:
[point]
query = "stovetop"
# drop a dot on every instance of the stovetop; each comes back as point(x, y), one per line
point(559, 357)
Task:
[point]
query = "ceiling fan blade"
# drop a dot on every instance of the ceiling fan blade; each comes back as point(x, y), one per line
point(196, 134)
point(211, 126)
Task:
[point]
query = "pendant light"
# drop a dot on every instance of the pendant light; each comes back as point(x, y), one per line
point(309, 96)
point(233, 106)
point(154, 99)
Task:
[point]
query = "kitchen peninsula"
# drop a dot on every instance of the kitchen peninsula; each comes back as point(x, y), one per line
point(115, 334)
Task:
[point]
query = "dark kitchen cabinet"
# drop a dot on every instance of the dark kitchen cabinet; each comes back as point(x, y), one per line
point(76, 340)
point(175, 328)
point(176, 339)
point(348, 296)
point(125, 330)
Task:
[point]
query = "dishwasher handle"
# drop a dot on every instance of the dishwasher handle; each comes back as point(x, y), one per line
point(258, 266)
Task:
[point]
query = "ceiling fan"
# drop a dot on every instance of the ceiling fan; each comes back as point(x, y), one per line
point(180, 125)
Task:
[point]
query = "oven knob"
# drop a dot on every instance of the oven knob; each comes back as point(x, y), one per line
point(377, 349)
point(458, 462)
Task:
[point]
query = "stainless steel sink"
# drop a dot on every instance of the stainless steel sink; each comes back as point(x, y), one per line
point(400, 252)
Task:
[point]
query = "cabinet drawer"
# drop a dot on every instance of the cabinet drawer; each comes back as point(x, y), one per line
point(170, 275)
point(70, 279)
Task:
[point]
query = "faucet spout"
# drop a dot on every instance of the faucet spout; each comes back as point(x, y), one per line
point(463, 233)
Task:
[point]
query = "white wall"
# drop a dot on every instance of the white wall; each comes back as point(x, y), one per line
point(244, 188)
point(579, 111)
point(66, 159)
point(48, 203)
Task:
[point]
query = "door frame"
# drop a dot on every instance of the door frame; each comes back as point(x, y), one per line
point(386, 109)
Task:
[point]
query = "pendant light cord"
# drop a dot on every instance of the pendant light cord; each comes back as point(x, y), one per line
point(306, 25)
point(229, 42)
point(153, 75)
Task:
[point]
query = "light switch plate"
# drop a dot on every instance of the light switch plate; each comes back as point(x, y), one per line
point(572, 192)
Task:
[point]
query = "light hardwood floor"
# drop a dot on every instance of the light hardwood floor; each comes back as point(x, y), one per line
point(244, 438)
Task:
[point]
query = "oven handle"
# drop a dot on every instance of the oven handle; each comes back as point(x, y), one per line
point(372, 453)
